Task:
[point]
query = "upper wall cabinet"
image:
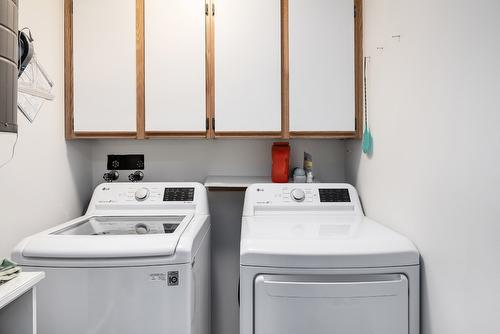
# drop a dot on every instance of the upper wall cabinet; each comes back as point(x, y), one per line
point(104, 67)
point(175, 67)
point(322, 67)
point(247, 67)
point(213, 68)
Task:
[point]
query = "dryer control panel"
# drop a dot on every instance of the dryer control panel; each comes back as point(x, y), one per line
point(334, 195)
point(316, 197)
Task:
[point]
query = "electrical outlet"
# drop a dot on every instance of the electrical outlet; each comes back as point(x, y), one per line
point(126, 162)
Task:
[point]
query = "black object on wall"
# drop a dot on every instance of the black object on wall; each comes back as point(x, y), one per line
point(8, 65)
point(126, 162)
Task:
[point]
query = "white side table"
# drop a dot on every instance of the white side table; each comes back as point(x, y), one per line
point(18, 304)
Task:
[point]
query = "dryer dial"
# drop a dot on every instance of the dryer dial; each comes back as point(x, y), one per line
point(298, 195)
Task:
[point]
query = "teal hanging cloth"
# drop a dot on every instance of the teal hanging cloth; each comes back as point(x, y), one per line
point(367, 143)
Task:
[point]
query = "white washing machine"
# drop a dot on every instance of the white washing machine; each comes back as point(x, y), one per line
point(137, 262)
point(311, 262)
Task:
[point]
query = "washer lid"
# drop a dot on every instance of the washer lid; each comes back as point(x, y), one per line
point(321, 241)
point(109, 237)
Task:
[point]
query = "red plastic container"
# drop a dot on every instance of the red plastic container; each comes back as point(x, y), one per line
point(281, 161)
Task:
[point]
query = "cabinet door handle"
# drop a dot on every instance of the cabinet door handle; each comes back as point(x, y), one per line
point(213, 9)
point(206, 9)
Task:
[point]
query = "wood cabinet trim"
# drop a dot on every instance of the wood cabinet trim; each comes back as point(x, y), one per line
point(103, 135)
point(358, 53)
point(176, 134)
point(209, 67)
point(68, 69)
point(285, 79)
point(248, 134)
point(323, 134)
point(140, 70)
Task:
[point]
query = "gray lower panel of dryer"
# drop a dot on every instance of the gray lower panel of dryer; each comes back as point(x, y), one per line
point(348, 304)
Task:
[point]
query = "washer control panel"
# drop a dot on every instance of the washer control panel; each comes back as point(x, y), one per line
point(148, 193)
point(151, 197)
point(156, 194)
point(178, 194)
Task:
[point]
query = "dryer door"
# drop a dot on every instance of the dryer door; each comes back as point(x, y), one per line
point(321, 304)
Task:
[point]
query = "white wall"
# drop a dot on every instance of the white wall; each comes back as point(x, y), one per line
point(434, 174)
point(193, 160)
point(48, 181)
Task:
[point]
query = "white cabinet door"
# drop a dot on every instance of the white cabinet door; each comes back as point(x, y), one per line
point(297, 304)
point(322, 81)
point(247, 65)
point(104, 62)
point(175, 65)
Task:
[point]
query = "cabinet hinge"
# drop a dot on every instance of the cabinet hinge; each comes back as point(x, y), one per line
point(355, 12)
point(213, 9)
point(213, 124)
point(207, 124)
point(206, 9)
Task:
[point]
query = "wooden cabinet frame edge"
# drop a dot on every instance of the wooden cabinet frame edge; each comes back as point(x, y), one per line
point(140, 67)
point(285, 70)
point(358, 64)
point(210, 67)
point(68, 69)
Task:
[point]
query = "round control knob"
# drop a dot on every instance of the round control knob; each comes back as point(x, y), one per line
point(141, 229)
point(141, 194)
point(298, 195)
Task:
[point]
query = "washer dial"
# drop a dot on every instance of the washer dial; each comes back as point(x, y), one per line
point(141, 194)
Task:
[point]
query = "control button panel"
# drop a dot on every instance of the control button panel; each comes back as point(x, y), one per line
point(334, 195)
point(142, 195)
point(292, 194)
point(178, 195)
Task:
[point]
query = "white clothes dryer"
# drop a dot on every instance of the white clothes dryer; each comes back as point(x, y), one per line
point(138, 261)
point(311, 262)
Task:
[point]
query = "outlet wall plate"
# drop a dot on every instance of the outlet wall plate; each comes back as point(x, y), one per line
point(126, 162)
